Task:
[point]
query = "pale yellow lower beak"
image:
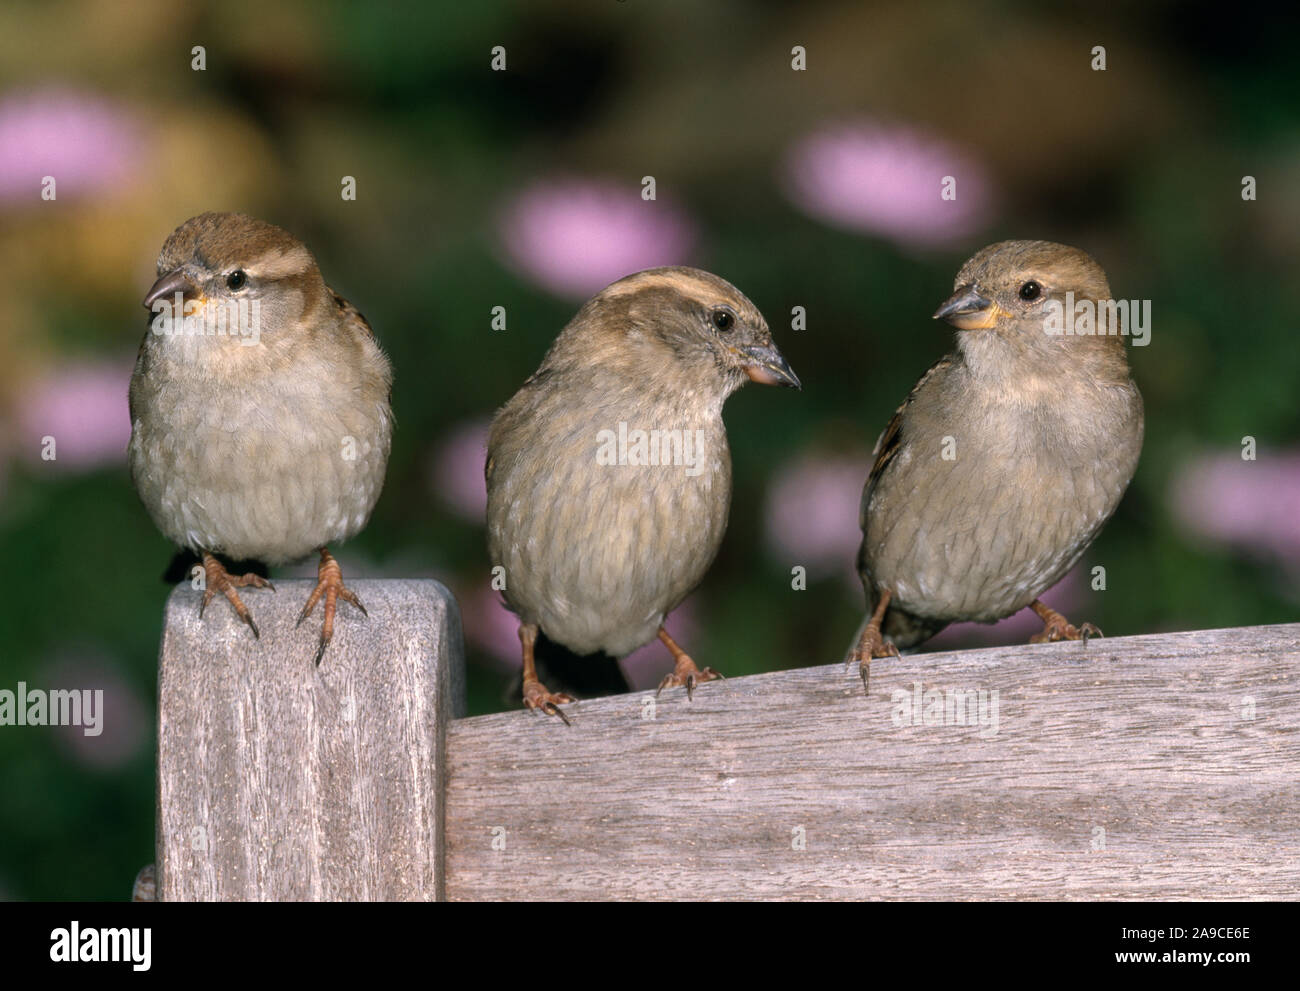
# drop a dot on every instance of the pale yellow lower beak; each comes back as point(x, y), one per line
point(969, 309)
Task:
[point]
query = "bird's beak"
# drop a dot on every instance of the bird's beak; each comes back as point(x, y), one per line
point(767, 366)
point(169, 285)
point(968, 309)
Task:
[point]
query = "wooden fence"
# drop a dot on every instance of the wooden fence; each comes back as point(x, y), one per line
point(1163, 767)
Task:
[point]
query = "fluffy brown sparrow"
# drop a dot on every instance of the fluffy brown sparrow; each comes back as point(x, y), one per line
point(608, 473)
point(260, 418)
point(1004, 463)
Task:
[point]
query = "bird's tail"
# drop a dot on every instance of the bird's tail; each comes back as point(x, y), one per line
point(579, 675)
point(901, 629)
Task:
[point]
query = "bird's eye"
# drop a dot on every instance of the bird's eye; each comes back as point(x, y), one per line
point(723, 318)
point(1031, 290)
point(236, 280)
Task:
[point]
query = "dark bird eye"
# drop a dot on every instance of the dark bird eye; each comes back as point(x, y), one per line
point(235, 280)
point(723, 319)
point(1030, 290)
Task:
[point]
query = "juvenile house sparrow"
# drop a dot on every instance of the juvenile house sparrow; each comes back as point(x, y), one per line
point(260, 428)
point(601, 529)
point(1004, 462)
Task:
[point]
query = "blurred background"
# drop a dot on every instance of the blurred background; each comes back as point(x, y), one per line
point(522, 189)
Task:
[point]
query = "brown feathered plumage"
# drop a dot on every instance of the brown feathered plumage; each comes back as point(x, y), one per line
point(270, 440)
point(1006, 459)
point(596, 552)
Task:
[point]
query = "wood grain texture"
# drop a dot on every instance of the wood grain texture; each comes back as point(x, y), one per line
point(1164, 767)
point(278, 780)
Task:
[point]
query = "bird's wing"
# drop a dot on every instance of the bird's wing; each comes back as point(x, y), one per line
point(890, 440)
point(536, 379)
point(130, 390)
point(522, 408)
point(352, 316)
point(138, 373)
point(358, 329)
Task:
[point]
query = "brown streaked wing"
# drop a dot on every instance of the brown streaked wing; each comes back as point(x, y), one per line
point(889, 441)
point(352, 315)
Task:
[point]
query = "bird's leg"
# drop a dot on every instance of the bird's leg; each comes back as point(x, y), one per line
point(684, 670)
point(329, 582)
point(537, 695)
point(1057, 627)
point(217, 579)
point(872, 643)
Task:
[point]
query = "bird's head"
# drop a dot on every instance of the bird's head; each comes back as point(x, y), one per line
point(689, 324)
point(231, 260)
point(1013, 301)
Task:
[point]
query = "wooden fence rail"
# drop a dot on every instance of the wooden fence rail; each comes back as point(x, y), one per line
point(1163, 766)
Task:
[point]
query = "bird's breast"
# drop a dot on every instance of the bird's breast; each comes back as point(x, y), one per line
point(984, 508)
point(269, 469)
point(604, 526)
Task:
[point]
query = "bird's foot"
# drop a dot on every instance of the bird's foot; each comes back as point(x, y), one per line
point(686, 673)
point(1057, 627)
point(872, 644)
point(329, 583)
point(1062, 630)
point(217, 579)
point(538, 696)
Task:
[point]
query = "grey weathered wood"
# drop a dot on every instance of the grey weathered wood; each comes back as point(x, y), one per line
point(278, 780)
point(1151, 739)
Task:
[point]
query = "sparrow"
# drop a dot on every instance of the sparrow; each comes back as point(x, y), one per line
point(1006, 459)
point(260, 408)
point(608, 472)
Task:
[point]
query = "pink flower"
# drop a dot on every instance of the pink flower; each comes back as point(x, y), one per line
point(576, 236)
point(86, 143)
point(83, 409)
point(1253, 505)
point(490, 626)
point(812, 514)
point(124, 721)
point(457, 471)
point(887, 180)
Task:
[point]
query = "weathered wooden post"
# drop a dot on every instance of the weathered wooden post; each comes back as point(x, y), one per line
point(280, 780)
